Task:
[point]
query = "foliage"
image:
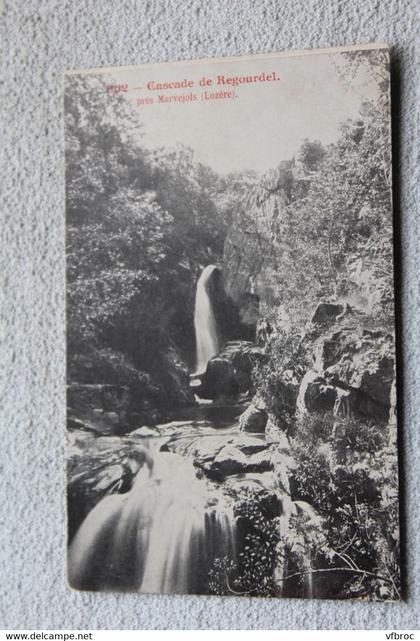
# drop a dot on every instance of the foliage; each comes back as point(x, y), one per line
point(252, 572)
point(324, 226)
point(141, 224)
point(319, 226)
point(333, 240)
point(343, 216)
point(349, 476)
point(344, 520)
point(275, 378)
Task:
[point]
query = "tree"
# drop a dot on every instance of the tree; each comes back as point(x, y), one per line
point(116, 228)
point(141, 224)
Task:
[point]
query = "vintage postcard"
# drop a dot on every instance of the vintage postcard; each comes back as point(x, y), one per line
point(230, 323)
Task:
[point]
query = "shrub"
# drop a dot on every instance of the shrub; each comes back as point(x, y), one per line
point(252, 572)
point(358, 501)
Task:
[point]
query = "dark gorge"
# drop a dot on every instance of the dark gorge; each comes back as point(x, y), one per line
point(172, 506)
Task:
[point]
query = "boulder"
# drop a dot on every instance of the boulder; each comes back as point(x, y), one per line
point(219, 380)
point(249, 445)
point(331, 395)
point(201, 449)
point(242, 484)
point(353, 369)
point(254, 419)
point(352, 402)
point(360, 358)
point(229, 373)
point(274, 434)
point(327, 312)
point(76, 424)
point(212, 452)
point(260, 461)
point(319, 396)
point(378, 383)
point(231, 460)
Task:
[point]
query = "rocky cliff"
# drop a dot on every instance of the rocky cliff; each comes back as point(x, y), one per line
point(317, 287)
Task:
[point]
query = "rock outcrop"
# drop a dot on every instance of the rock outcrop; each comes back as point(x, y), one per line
point(231, 460)
point(111, 395)
point(98, 466)
point(229, 373)
point(254, 419)
point(101, 408)
point(352, 366)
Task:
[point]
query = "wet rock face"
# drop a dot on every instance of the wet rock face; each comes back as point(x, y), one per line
point(249, 309)
point(234, 321)
point(230, 460)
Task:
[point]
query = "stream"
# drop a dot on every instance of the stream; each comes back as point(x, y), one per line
point(164, 533)
point(152, 511)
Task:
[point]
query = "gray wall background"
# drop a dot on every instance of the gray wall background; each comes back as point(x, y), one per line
point(39, 39)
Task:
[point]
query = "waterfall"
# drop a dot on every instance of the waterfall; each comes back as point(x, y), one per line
point(207, 342)
point(160, 537)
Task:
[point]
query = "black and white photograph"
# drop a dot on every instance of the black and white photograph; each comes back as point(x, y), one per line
point(231, 394)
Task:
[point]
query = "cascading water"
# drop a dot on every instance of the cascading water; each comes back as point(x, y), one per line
point(160, 537)
point(207, 341)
